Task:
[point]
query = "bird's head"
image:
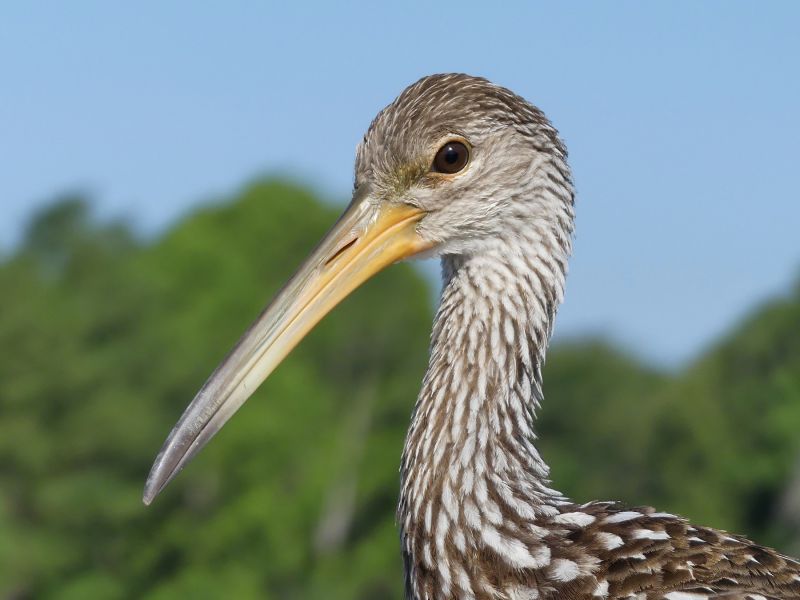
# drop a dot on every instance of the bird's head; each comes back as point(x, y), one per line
point(454, 166)
point(472, 157)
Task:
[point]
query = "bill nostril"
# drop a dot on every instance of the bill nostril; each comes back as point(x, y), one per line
point(340, 251)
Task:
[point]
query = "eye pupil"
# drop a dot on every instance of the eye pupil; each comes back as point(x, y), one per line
point(451, 158)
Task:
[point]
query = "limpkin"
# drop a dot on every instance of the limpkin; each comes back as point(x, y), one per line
point(460, 168)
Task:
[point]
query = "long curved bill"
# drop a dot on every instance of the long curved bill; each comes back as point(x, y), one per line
point(363, 241)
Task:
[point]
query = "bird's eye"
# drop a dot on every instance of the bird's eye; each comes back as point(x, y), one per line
point(451, 158)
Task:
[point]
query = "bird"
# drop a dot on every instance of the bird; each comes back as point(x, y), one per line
point(460, 168)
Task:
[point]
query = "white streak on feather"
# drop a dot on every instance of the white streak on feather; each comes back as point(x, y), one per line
point(512, 551)
point(492, 512)
point(460, 541)
point(462, 579)
point(610, 541)
point(620, 517)
point(471, 515)
point(637, 556)
point(728, 538)
point(649, 534)
point(446, 581)
point(601, 590)
point(578, 519)
point(523, 593)
point(426, 555)
point(449, 501)
point(564, 570)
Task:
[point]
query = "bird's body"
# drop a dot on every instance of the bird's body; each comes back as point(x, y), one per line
point(465, 169)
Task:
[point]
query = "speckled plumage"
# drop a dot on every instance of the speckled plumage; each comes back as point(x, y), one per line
point(477, 514)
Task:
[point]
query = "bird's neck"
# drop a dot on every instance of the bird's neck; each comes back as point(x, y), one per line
point(470, 468)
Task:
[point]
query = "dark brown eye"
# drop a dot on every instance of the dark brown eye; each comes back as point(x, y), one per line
point(451, 158)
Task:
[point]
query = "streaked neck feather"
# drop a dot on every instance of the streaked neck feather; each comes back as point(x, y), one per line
point(473, 483)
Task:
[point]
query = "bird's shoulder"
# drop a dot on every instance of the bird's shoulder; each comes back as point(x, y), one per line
point(645, 554)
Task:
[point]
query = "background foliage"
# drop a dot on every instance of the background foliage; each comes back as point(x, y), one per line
point(104, 338)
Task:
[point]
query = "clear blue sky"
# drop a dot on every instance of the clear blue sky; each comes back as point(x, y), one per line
point(682, 119)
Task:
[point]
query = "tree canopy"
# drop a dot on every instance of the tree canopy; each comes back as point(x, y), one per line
point(104, 338)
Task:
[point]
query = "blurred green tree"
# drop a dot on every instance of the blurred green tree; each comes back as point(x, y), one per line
point(103, 342)
point(104, 338)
